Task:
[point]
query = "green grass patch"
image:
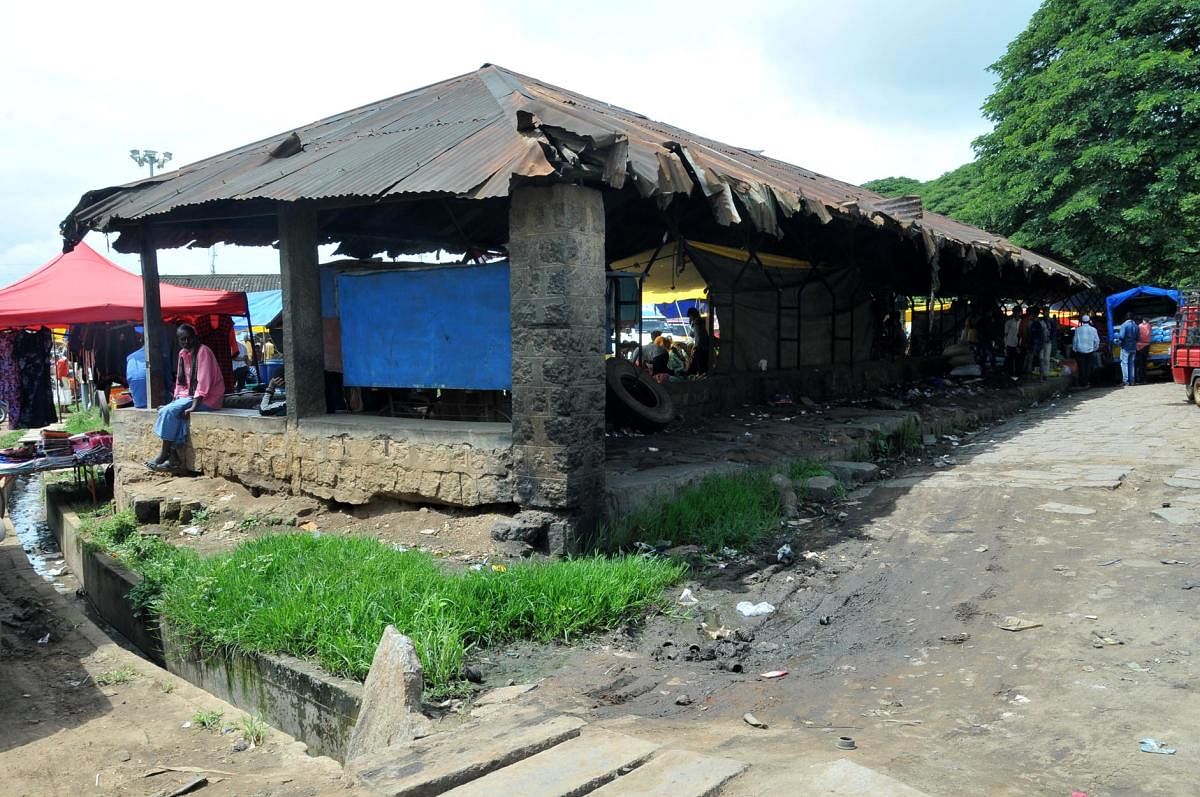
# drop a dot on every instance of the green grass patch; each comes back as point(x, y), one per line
point(9, 439)
point(328, 598)
point(254, 729)
point(208, 720)
point(86, 421)
point(736, 511)
point(121, 675)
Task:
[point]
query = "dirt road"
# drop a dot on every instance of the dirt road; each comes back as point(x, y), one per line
point(1049, 519)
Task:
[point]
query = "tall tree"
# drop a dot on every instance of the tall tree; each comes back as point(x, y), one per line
point(1095, 154)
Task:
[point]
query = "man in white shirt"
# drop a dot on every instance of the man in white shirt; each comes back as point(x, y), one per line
point(1086, 344)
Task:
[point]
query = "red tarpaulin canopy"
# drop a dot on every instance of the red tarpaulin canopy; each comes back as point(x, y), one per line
point(82, 286)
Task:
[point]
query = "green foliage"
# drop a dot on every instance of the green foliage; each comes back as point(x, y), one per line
point(85, 421)
point(158, 562)
point(1095, 154)
point(9, 439)
point(121, 675)
point(254, 729)
point(895, 186)
point(329, 598)
point(208, 720)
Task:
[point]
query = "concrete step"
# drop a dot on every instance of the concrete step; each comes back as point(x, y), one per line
point(674, 773)
point(572, 768)
point(443, 761)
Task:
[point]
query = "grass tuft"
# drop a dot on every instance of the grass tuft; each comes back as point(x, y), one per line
point(121, 675)
point(254, 729)
point(208, 720)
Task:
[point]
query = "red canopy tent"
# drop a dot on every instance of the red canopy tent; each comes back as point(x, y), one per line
point(82, 286)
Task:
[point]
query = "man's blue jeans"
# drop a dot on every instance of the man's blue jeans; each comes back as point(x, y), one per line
point(1128, 366)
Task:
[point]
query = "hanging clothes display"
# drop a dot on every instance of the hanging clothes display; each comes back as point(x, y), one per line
point(216, 332)
point(10, 377)
point(32, 355)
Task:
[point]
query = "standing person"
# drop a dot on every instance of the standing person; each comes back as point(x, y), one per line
point(1012, 345)
point(1143, 348)
point(700, 349)
point(1048, 330)
point(1127, 336)
point(986, 331)
point(1085, 343)
point(198, 387)
point(241, 366)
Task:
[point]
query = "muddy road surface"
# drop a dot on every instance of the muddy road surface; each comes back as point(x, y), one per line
point(1076, 524)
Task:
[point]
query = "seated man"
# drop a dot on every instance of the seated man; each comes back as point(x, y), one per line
point(274, 401)
point(198, 387)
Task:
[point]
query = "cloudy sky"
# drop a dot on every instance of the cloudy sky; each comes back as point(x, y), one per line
point(855, 91)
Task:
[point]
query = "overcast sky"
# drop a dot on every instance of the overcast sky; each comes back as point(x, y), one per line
point(855, 91)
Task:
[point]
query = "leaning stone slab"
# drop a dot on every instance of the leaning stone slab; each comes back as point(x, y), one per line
point(391, 703)
point(674, 773)
point(441, 762)
point(575, 767)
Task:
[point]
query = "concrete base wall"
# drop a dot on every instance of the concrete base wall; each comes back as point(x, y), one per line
point(290, 694)
point(351, 459)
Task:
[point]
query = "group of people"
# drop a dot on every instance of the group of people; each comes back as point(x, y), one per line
point(664, 357)
point(1028, 342)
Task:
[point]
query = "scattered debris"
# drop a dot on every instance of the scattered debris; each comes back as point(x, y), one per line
point(955, 639)
point(773, 674)
point(846, 743)
point(748, 609)
point(44, 640)
point(981, 549)
point(1191, 585)
point(191, 531)
point(1019, 700)
point(753, 721)
point(1100, 640)
point(825, 619)
point(1149, 745)
point(683, 700)
point(241, 746)
point(1164, 561)
point(189, 787)
point(784, 555)
point(1017, 624)
point(1109, 562)
point(686, 598)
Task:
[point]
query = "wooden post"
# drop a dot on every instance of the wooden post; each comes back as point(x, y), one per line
point(303, 347)
point(152, 324)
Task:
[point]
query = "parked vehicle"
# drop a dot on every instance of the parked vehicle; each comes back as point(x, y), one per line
point(1185, 347)
point(1158, 306)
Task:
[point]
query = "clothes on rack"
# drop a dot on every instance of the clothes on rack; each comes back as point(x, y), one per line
point(26, 378)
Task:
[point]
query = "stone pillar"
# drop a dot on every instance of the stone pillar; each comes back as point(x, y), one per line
point(303, 347)
point(556, 250)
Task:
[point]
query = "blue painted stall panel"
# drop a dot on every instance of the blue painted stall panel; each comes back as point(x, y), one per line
point(437, 327)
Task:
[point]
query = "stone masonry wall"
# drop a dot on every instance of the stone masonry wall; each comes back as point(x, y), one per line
point(348, 465)
point(556, 252)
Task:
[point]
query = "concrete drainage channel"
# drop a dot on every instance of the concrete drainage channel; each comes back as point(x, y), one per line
point(289, 694)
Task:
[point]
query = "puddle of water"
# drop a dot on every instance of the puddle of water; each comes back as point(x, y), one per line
point(27, 510)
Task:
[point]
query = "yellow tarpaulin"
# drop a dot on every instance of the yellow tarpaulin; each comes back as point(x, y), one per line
point(674, 277)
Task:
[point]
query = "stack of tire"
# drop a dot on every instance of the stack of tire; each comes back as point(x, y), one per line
point(635, 400)
point(961, 360)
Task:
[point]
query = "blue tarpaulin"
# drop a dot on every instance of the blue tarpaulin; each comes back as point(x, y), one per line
point(1113, 303)
point(264, 306)
point(445, 327)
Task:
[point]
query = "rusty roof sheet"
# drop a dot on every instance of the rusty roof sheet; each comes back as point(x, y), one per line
point(469, 136)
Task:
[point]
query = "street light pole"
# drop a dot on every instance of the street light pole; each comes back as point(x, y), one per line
point(149, 157)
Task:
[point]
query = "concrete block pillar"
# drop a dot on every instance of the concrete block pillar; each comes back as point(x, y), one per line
point(303, 341)
point(556, 250)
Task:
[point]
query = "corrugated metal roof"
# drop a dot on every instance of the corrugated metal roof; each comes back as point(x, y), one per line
point(470, 135)
point(245, 283)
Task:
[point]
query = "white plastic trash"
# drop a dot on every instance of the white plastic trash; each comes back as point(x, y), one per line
point(686, 598)
point(748, 609)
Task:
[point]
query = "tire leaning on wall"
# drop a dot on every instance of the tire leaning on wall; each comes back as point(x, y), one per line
point(635, 399)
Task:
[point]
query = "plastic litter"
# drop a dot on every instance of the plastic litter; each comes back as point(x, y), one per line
point(1149, 745)
point(686, 598)
point(748, 609)
point(784, 555)
point(773, 674)
point(45, 640)
point(191, 531)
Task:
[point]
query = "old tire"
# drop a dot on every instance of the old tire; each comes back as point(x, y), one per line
point(635, 398)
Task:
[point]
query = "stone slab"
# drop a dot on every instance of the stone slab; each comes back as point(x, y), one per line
point(1183, 482)
point(390, 711)
point(820, 487)
point(437, 763)
point(844, 778)
point(853, 472)
point(674, 773)
point(572, 768)
point(1180, 515)
point(1066, 509)
point(503, 694)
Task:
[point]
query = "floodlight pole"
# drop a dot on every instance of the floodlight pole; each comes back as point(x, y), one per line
point(150, 157)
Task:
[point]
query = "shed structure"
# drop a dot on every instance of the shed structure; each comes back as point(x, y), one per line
point(494, 165)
